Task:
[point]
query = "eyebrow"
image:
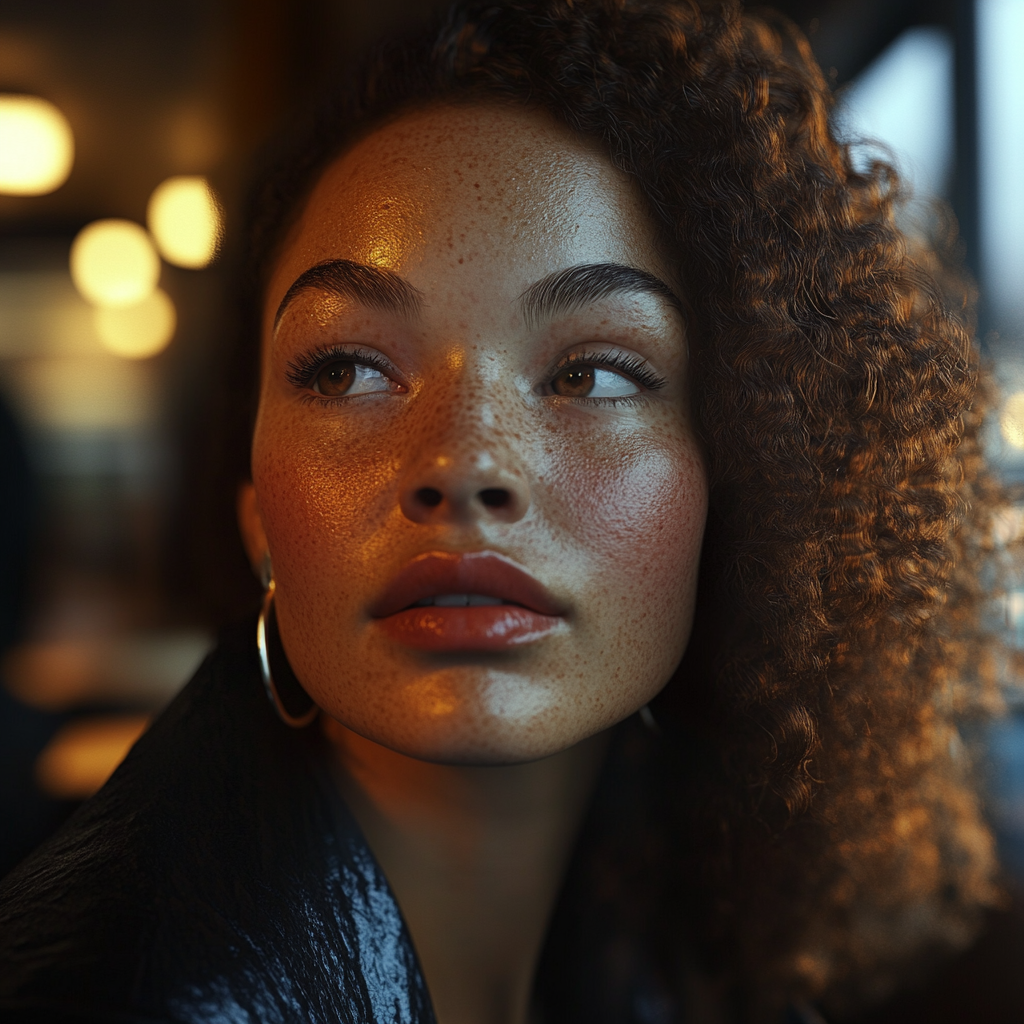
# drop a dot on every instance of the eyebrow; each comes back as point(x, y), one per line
point(560, 292)
point(578, 286)
point(373, 287)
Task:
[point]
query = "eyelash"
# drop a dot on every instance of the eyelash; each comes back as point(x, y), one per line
point(630, 366)
point(303, 370)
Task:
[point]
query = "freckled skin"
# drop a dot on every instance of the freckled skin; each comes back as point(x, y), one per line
point(607, 505)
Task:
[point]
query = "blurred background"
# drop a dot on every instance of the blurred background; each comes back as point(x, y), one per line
point(125, 134)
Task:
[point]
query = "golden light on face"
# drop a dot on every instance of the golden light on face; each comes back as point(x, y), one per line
point(37, 147)
point(474, 464)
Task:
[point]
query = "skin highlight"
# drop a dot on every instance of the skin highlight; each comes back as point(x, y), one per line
point(606, 503)
point(454, 761)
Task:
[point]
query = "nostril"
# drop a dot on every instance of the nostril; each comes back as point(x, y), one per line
point(429, 496)
point(495, 497)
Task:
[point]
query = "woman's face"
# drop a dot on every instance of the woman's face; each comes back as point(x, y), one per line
point(474, 464)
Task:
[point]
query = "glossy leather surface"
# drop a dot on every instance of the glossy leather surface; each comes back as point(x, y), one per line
point(217, 878)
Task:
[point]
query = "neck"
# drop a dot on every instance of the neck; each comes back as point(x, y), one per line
point(475, 857)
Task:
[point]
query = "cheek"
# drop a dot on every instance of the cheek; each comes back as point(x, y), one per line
point(318, 496)
point(639, 509)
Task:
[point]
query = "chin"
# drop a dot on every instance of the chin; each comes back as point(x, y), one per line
point(501, 719)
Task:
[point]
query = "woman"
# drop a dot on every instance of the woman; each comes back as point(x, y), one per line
point(589, 365)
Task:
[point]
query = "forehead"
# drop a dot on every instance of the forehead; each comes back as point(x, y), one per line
point(504, 193)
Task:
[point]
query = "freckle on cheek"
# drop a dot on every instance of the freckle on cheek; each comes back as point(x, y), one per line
point(643, 518)
point(616, 519)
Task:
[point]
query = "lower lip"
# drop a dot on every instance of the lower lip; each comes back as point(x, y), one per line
point(484, 628)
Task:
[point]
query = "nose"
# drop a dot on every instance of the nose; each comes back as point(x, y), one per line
point(474, 488)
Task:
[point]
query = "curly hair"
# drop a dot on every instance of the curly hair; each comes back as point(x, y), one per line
point(822, 833)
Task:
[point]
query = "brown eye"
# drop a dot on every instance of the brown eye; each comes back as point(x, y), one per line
point(574, 382)
point(335, 379)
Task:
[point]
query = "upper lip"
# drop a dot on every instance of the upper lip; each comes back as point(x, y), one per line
point(475, 572)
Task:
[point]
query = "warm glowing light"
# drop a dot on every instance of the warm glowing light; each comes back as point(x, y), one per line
point(140, 331)
point(86, 393)
point(36, 146)
point(113, 263)
point(1012, 420)
point(83, 755)
point(185, 220)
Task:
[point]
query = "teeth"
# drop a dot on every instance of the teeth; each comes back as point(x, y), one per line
point(458, 601)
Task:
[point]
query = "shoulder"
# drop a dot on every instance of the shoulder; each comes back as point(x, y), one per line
point(217, 875)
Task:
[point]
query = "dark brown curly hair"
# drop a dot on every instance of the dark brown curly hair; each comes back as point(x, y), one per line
point(820, 832)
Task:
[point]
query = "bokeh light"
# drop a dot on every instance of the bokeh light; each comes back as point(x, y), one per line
point(37, 148)
point(1012, 420)
point(185, 219)
point(113, 263)
point(83, 755)
point(139, 331)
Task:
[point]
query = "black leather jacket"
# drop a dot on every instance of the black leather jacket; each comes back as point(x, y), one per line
point(219, 878)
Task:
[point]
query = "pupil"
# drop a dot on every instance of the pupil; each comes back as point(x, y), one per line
point(335, 378)
point(575, 383)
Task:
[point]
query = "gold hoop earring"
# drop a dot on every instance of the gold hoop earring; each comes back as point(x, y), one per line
point(294, 706)
point(265, 571)
point(649, 721)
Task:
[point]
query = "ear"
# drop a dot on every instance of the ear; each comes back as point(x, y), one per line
point(251, 526)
